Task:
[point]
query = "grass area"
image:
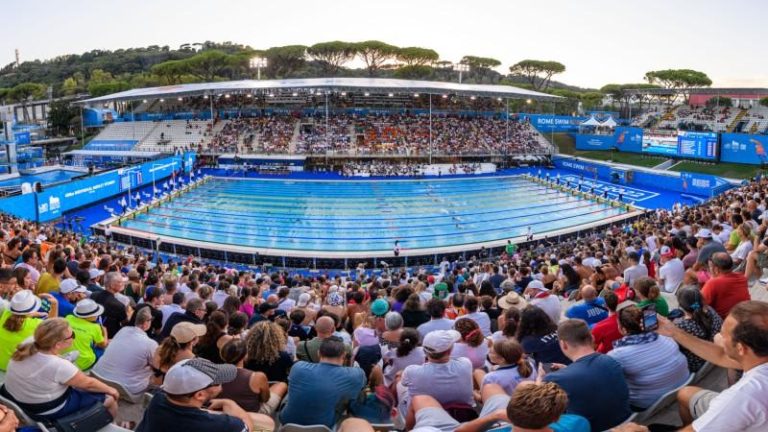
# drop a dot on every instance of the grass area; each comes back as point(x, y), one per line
point(567, 145)
point(730, 170)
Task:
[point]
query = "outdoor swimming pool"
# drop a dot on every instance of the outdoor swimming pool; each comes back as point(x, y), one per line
point(359, 216)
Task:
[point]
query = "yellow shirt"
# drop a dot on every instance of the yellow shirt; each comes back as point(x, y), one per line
point(10, 340)
point(47, 284)
point(87, 334)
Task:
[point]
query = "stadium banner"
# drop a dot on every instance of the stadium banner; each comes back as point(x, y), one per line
point(699, 184)
point(55, 201)
point(682, 144)
point(22, 137)
point(22, 206)
point(553, 123)
point(744, 148)
point(625, 139)
point(694, 184)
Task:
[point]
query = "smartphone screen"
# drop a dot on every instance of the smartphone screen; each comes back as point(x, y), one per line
point(547, 367)
point(650, 319)
point(45, 305)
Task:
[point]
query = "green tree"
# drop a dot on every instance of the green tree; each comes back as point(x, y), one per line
point(101, 89)
point(681, 81)
point(26, 92)
point(414, 72)
point(284, 61)
point(375, 54)
point(763, 101)
point(591, 100)
point(170, 71)
point(69, 86)
point(99, 76)
point(417, 56)
point(4, 92)
point(619, 93)
point(332, 55)
point(480, 67)
point(60, 117)
point(537, 72)
point(207, 65)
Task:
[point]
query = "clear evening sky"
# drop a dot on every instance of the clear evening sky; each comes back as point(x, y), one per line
point(599, 41)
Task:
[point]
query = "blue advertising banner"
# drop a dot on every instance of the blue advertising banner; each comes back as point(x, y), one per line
point(553, 123)
point(627, 139)
point(22, 206)
point(743, 148)
point(53, 202)
point(22, 137)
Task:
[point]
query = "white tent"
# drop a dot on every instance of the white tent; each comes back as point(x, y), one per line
point(591, 122)
point(610, 123)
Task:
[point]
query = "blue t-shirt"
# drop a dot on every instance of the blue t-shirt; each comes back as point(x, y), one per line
point(592, 312)
point(65, 307)
point(318, 391)
point(596, 390)
point(566, 423)
point(544, 349)
point(162, 415)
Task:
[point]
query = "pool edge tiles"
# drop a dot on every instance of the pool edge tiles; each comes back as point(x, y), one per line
point(183, 233)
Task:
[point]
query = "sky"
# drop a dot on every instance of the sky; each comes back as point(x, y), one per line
point(598, 41)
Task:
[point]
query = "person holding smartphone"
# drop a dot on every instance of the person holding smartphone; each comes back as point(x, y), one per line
point(652, 364)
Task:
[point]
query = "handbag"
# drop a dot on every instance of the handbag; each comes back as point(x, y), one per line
point(92, 419)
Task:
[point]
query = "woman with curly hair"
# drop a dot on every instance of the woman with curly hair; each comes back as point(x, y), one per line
point(472, 344)
point(538, 336)
point(266, 344)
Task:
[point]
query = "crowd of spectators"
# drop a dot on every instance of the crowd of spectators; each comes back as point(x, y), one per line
point(547, 336)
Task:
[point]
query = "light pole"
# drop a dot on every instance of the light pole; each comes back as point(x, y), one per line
point(258, 63)
point(460, 68)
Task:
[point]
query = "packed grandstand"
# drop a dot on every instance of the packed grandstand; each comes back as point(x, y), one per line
point(365, 254)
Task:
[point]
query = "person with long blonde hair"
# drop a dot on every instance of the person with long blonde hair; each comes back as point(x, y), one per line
point(47, 386)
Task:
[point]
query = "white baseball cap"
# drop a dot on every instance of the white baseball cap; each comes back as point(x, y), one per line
point(70, 285)
point(195, 374)
point(304, 299)
point(439, 341)
point(536, 284)
point(704, 233)
point(94, 273)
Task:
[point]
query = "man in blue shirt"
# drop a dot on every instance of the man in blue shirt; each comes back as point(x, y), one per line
point(594, 382)
point(319, 392)
point(592, 310)
point(70, 292)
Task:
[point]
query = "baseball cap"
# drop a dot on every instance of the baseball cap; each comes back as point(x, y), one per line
point(536, 284)
point(304, 299)
point(704, 233)
point(667, 252)
point(379, 307)
point(440, 340)
point(184, 332)
point(94, 273)
point(192, 375)
point(68, 286)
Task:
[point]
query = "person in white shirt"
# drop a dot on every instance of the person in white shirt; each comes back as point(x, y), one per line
point(744, 247)
point(178, 301)
point(129, 357)
point(743, 406)
point(538, 295)
point(672, 270)
point(636, 270)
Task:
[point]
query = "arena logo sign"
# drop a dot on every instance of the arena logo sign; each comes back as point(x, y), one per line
point(600, 187)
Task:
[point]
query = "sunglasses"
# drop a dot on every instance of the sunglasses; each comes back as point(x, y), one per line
point(72, 336)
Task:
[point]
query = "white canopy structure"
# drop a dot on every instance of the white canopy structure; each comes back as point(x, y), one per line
point(591, 122)
point(609, 123)
point(321, 84)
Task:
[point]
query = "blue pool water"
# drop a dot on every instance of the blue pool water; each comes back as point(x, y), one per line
point(356, 216)
point(48, 177)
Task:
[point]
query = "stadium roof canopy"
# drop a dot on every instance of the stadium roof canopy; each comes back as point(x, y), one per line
point(320, 84)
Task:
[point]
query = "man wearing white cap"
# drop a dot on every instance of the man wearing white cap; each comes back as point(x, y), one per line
point(448, 380)
point(707, 247)
point(70, 292)
point(540, 296)
point(672, 270)
point(88, 333)
point(188, 386)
